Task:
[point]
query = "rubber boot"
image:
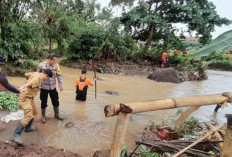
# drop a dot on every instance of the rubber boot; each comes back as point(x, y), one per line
point(18, 131)
point(43, 119)
point(56, 112)
point(29, 127)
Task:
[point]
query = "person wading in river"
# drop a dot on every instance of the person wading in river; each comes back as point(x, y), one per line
point(49, 87)
point(26, 101)
point(4, 84)
point(81, 85)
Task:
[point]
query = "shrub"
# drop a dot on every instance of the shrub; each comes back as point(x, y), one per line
point(8, 101)
point(86, 44)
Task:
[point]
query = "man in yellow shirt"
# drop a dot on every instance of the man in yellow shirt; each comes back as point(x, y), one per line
point(26, 101)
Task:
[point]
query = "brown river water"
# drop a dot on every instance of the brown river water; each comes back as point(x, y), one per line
point(92, 130)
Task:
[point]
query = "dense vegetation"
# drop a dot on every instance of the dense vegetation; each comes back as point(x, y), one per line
point(83, 30)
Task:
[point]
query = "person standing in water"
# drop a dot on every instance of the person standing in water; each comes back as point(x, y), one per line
point(82, 83)
point(49, 87)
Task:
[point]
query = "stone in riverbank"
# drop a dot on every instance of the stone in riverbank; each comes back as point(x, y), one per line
point(166, 75)
point(102, 153)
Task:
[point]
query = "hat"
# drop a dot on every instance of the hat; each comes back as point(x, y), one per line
point(2, 61)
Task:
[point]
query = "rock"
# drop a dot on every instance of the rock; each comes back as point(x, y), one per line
point(112, 93)
point(69, 124)
point(102, 153)
point(166, 75)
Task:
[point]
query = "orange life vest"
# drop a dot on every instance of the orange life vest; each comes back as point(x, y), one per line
point(228, 56)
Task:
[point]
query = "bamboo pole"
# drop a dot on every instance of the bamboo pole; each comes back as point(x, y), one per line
point(185, 115)
point(119, 134)
point(227, 151)
point(199, 140)
point(112, 110)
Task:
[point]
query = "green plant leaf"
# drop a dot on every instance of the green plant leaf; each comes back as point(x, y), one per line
point(222, 42)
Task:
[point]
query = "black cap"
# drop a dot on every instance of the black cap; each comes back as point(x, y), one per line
point(48, 72)
point(2, 61)
point(83, 71)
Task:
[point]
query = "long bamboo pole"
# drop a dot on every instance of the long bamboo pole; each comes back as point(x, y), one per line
point(119, 134)
point(199, 140)
point(112, 110)
point(226, 150)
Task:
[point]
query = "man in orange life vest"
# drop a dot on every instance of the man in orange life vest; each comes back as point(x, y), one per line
point(4, 84)
point(228, 56)
point(164, 58)
point(81, 85)
point(176, 52)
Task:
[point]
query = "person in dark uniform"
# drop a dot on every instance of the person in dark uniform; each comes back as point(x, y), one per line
point(4, 84)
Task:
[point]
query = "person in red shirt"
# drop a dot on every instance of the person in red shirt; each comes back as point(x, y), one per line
point(82, 83)
point(164, 58)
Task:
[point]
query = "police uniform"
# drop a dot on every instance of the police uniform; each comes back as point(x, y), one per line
point(49, 87)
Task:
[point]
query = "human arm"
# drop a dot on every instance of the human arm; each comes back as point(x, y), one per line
point(39, 69)
point(59, 78)
point(34, 82)
point(7, 85)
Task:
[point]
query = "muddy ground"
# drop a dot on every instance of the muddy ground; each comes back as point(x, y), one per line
point(11, 149)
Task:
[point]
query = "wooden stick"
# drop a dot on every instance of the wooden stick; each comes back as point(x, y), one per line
point(95, 76)
point(137, 107)
point(226, 150)
point(199, 140)
point(186, 114)
point(119, 134)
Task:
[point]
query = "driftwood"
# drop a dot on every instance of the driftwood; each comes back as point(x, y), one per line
point(199, 140)
point(175, 146)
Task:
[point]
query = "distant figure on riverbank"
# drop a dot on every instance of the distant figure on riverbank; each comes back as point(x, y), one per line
point(176, 52)
point(164, 58)
point(228, 56)
point(82, 83)
point(185, 53)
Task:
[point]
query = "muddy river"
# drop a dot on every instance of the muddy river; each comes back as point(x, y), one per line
point(92, 131)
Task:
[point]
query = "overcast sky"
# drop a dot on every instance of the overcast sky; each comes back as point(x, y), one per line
point(223, 8)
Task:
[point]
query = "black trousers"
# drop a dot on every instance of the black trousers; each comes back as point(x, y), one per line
point(81, 95)
point(44, 97)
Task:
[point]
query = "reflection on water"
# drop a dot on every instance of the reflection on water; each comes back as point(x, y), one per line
point(91, 130)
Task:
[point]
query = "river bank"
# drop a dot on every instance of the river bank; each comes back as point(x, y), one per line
point(153, 72)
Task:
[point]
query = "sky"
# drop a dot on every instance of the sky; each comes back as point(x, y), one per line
point(223, 8)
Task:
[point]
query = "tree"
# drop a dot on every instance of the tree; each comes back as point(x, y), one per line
point(153, 20)
point(15, 31)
